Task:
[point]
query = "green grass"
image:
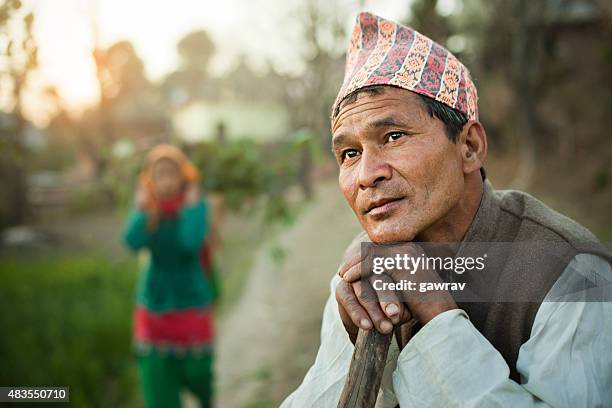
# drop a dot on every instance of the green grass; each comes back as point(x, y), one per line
point(66, 321)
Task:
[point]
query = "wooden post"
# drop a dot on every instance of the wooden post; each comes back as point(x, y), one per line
point(366, 370)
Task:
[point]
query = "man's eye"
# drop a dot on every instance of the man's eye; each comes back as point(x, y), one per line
point(349, 154)
point(394, 136)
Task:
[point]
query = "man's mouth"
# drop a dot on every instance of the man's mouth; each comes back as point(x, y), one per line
point(382, 205)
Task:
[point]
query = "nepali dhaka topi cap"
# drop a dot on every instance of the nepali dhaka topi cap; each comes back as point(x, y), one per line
point(382, 52)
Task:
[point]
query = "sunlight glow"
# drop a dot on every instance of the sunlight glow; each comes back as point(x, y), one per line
point(68, 30)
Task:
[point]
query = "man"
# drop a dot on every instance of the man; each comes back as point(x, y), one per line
point(410, 148)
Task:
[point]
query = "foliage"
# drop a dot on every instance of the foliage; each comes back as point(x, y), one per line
point(117, 180)
point(84, 198)
point(66, 322)
point(247, 174)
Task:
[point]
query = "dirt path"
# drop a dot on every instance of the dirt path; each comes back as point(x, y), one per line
point(268, 341)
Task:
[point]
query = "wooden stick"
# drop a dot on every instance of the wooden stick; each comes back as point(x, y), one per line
point(366, 370)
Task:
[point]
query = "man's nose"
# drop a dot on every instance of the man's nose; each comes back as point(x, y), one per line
point(373, 169)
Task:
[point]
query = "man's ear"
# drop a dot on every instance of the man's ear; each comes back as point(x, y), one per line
point(473, 145)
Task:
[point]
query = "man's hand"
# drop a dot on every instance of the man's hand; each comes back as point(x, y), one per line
point(360, 307)
point(363, 307)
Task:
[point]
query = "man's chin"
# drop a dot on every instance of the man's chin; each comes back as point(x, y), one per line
point(388, 233)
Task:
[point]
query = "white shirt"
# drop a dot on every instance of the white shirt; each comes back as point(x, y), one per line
point(567, 361)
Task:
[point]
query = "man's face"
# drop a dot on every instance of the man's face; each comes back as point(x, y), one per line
point(399, 172)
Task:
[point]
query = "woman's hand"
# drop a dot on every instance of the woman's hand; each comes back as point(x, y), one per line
point(142, 198)
point(192, 194)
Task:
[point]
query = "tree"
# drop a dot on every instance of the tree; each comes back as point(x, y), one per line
point(189, 82)
point(425, 19)
point(128, 103)
point(310, 96)
point(19, 60)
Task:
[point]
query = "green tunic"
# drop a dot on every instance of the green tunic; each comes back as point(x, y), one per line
point(173, 278)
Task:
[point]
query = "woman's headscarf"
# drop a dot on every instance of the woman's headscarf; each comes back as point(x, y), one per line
point(188, 171)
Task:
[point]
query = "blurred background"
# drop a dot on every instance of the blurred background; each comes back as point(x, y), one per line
point(245, 87)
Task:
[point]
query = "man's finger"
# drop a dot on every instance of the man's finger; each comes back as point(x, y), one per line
point(389, 301)
point(353, 261)
point(368, 299)
point(347, 299)
point(353, 273)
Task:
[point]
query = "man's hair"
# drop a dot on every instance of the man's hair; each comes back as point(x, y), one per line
point(453, 119)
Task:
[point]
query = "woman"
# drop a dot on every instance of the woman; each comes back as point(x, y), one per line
point(173, 322)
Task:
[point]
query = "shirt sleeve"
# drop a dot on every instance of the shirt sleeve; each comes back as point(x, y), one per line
point(193, 226)
point(324, 381)
point(135, 234)
point(565, 363)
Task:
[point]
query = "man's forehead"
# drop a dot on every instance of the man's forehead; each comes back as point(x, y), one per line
point(389, 101)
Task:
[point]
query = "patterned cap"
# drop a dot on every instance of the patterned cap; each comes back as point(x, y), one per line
point(382, 52)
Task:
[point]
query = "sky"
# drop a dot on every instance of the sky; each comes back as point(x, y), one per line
point(67, 30)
